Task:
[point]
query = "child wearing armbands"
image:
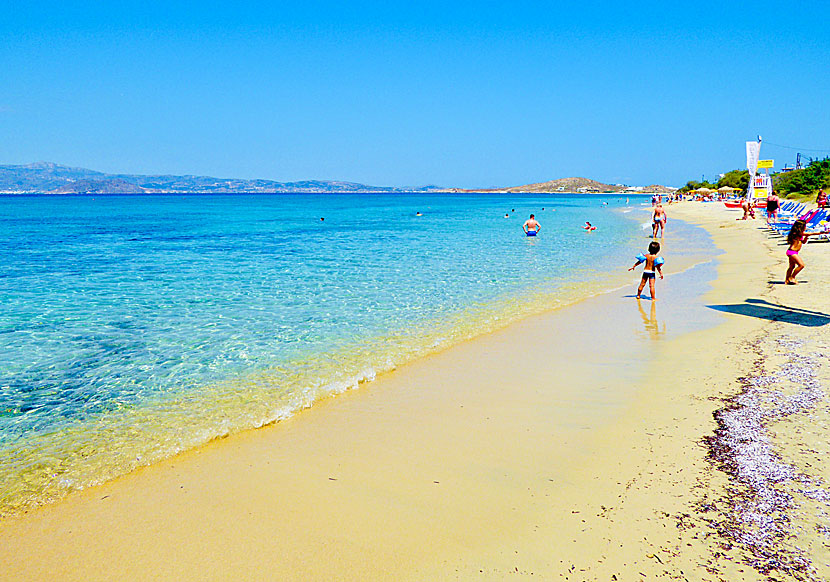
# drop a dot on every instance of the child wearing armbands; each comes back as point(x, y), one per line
point(652, 263)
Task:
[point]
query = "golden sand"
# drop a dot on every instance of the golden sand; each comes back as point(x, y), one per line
point(567, 446)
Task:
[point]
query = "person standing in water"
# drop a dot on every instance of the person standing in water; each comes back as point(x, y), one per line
point(658, 221)
point(531, 227)
point(653, 266)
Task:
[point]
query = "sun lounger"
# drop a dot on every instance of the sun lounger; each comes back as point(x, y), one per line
point(789, 210)
point(787, 219)
point(816, 219)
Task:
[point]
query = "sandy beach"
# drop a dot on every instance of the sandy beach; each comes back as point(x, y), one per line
point(583, 444)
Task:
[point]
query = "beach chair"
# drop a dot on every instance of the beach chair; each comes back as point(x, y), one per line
point(782, 227)
point(792, 209)
point(823, 223)
point(786, 208)
point(782, 206)
point(816, 220)
point(786, 222)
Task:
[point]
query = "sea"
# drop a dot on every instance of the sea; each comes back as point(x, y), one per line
point(134, 327)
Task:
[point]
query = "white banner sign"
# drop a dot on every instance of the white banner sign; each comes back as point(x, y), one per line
point(753, 150)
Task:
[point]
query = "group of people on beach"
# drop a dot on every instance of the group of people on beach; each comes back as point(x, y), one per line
point(797, 235)
point(653, 263)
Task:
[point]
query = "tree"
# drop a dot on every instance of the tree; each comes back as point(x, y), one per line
point(805, 182)
point(735, 179)
point(695, 185)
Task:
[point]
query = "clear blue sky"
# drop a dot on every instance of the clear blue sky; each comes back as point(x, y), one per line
point(470, 94)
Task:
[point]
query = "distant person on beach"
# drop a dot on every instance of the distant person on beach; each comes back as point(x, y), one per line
point(658, 220)
point(749, 211)
point(821, 199)
point(772, 207)
point(654, 199)
point(796, 238)
point(531, 227)
point(653, 264)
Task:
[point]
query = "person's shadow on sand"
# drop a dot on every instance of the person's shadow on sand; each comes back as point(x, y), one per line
point(774, 312)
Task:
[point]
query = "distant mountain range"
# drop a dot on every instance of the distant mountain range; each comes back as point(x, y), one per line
point(49, 178)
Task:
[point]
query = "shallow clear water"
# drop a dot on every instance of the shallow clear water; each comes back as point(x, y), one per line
point(134, 327)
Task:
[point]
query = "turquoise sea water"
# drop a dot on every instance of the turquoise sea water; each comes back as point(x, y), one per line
point(135, 327)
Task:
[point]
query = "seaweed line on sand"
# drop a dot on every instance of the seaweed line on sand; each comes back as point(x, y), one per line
point(756, 510)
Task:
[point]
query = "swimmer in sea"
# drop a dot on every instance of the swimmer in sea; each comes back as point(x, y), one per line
point(652, 263)
point(418, 214)
point(589, 227)
point(531, 227)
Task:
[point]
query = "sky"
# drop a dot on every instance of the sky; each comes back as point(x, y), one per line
point(458, 94)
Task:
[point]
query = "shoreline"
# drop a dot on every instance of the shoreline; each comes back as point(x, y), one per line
point(457, 465)
point(95, 465)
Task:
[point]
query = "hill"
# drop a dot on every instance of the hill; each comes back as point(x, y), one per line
point(560, 185)
point(50, 178)
point(658, 189)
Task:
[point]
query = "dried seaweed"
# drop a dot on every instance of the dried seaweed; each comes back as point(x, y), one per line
point(756, 514)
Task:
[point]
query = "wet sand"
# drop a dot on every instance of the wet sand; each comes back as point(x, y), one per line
point(567, 446)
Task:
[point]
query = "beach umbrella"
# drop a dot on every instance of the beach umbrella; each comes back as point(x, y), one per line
point(726, 189)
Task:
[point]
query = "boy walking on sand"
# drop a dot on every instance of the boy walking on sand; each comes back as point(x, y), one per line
point(652, 263)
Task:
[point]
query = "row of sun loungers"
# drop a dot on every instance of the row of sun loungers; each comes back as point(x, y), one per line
point(790, 211)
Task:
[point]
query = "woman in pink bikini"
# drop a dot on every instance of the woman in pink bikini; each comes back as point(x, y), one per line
point(797, 237)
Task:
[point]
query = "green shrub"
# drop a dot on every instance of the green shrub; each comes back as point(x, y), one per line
point(806, 182)
point(735, 179)
point(694, 185)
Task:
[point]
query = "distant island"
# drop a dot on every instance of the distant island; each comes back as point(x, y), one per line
point(50, 178)
point(576, 185)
